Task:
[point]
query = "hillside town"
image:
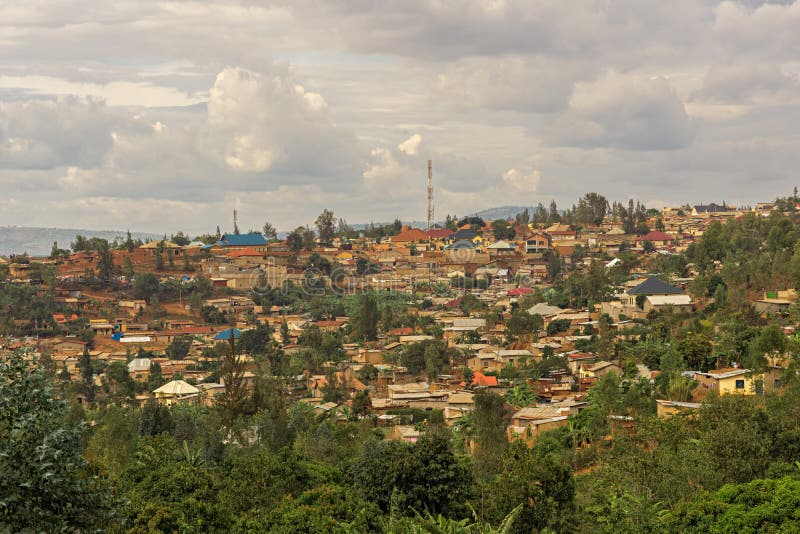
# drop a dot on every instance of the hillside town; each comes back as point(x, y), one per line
point(486, 296)
point(548, 315)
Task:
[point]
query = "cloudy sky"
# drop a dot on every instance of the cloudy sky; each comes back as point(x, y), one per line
point(160, 116)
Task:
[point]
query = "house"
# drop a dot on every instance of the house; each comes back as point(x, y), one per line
point(708, 209)
point(501, 248)
point(70, 345)
point(441, 234)
point(764, 208)
point(230, 242)
point(561, 232)
point(316, 384)
point(154, 247)
point(659, 239)
point(486, 361)
point(679, 303)
point(729, 381)
point(537, 242)
point(512, 357)
point(330, 325)
point(465, 234)
point(175, 392)
point(409, 236)
point(544, 309)
point(576, 360)
point(480, 380)
point(528, 423)
point(226, 334)
point(139, 369)
point(772, 305)
point(210, 393)
point(411, 392)
point(596, 370)
point(650, 286)
point(458, 405)
point(463, 325)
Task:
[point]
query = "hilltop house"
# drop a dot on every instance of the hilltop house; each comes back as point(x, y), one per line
point(230, 242)
point(707, 209)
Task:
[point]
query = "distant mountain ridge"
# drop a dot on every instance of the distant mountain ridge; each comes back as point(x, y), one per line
point(488, 215)
point(39, 241)
point(503, 212)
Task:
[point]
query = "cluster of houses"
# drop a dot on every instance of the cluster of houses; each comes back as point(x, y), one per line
point(413, 261)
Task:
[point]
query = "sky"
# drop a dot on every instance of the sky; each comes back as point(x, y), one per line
point(167, 116)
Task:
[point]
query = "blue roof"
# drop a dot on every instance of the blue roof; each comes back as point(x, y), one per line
point(225, 335)
point(242, 240)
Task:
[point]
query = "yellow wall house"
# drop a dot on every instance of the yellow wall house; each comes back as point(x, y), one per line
point(731, 381)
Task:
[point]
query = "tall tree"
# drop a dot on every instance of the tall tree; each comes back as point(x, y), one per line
point(129, 244)
point(269, 231)
point(105, 261)
point(366, 324)
point(232, 401)
point(490, 431)
point(326, 226)
point(295, 240)
point(87, 376)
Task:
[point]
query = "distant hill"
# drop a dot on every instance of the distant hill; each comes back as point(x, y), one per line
point(490, 214)
point(39, 241)
point(503, 212)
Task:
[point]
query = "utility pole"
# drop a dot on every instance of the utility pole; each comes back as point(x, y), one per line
point(430, 195)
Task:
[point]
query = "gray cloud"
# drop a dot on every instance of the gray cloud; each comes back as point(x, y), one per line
point(624, 112)
point(125, 111)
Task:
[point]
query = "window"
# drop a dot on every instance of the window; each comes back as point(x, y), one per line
point(740, 384)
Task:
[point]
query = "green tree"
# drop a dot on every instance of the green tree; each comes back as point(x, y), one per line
point(326, 226)
point(45, 483)
point(426, 476)
point(285, 332)
point(696, 350)
point(295, 240)
point(179, 348)
point(119, 383)
point(490, 430)
point(367, 317)
point(535, 479)
point(87, 376)
point(127, 268)
point(269, 231)
point(758, 506)
point(129, 244)
point(232, 402)
point(502, 229)
point(145, 285)
point(521, 323)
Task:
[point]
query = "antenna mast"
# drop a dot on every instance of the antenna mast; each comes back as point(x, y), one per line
point(430, 194)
